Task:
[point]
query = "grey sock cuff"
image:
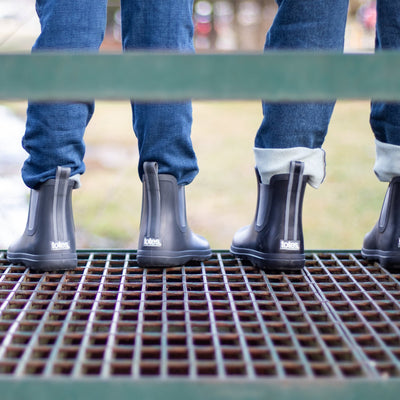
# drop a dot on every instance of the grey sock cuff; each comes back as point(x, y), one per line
point(272, 162)
point(387, 163)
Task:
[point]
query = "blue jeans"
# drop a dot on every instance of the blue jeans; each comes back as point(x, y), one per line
point(54, 131)
point(320, 25)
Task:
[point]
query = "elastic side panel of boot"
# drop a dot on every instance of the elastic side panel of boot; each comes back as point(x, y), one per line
point(181, 212)
point(384, 216)
point(152, 199)
point(389, 213)
point(33, 204)
point(173, 207)
point(262, 203)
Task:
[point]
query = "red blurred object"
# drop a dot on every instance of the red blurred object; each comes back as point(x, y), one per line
point(367, 16)
point(203, 28)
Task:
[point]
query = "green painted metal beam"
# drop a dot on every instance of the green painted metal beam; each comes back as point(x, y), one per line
point(272, 76)
point(125, 389)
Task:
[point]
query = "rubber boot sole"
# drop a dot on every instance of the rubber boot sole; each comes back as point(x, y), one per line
point(149, 258)
point(385, 258)
point(44, 263)
point(270, 261)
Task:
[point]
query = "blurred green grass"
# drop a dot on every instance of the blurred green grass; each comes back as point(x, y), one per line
point(222, 197)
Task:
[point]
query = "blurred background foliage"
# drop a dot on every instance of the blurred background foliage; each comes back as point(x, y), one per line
point(240, 25)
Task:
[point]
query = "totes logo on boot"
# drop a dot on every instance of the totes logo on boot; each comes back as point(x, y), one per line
point(151, 242)
point(290, 245)
point(60, 246)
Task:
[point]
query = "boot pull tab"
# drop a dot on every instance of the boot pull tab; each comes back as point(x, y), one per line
point(63, 173)
point(296, 168)
point(59, 204)
point(152, 186)
point(293, 198)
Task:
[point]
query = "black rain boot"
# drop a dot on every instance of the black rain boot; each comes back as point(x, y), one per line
point(165, 238)
point(382, 244)
point(48, 243)
point(275, 238)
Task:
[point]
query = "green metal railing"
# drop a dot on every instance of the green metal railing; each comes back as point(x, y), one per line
point(144, 76)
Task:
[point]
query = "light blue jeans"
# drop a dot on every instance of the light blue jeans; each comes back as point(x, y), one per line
point(320, 25)
point(54, 131)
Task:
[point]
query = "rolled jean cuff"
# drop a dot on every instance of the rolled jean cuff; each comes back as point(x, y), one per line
point(77, 179)
point(387, 163)
point(270, 162)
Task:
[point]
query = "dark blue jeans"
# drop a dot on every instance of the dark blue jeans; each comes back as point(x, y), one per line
point(320, 25)
point(54, 131)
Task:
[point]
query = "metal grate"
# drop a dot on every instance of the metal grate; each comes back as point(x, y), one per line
point(222, 319)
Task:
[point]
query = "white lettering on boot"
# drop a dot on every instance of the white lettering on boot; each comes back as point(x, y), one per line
point(291, 245)
point(151, 242)
point(60, 246)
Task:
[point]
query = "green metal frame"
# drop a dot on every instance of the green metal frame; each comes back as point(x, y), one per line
point(151, 76)
point(155, 389)
point(145, 76)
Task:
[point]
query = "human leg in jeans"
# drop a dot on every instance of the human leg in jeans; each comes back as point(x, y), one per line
point(287, 150)
point(54, 141)
point(383, 242)
point(54, 134)
point(167, 161)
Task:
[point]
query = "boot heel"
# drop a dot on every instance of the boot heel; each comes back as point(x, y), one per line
point(382, 243)
point(48, 242)
point(275, 238)
point(165, 238)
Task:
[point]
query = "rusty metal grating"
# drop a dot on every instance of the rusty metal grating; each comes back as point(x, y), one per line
point(222, 319)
